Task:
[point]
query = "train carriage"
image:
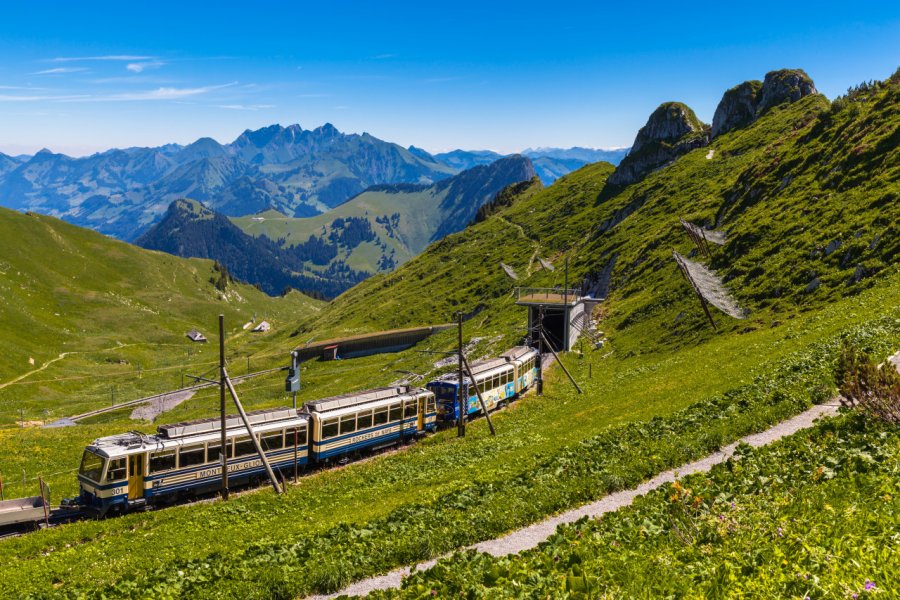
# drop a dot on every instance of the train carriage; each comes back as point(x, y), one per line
point(370, 419)
point(499, 380)
point(129, 470)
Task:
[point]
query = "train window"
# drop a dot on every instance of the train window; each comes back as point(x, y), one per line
point(411, 408)
point(348, 424)
point(381, 416)
point(292, 436)
point(364, 420)
point(188, 457)
point(329, 429)
point(214, 453)
point(429, 404)
point(162, 461)
point(396, 412)
point(272, 441)
point(116, 470)
point(243, 446)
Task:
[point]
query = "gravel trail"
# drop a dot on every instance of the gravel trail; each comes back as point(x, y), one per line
point(531, 536)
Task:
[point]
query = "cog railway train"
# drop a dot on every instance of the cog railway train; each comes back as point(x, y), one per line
point(133, 470)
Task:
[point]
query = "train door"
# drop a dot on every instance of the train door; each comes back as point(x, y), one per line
point(420, 422)
point(135, 476)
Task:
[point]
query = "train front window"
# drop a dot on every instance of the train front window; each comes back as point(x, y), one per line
point(116, 470)
point(91, 466)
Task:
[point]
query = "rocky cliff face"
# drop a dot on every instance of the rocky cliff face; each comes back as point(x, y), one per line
point(672, 130)
point(737, 107)
point(786, 85)
point(744, 103)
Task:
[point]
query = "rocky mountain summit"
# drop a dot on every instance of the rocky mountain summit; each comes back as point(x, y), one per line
point(746, 102)
point(672, 130)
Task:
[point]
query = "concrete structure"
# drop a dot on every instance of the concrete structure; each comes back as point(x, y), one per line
point(369, 343)
point(565, 314)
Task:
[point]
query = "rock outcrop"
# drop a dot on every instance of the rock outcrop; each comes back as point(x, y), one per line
point(737, 107)
point(746, 102)
point(672, 130)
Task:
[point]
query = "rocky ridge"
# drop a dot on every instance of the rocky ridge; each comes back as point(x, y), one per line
point(672, 130)
point(746, 102)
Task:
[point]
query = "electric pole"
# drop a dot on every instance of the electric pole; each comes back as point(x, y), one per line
point(224, 447)
point(540, 356)
point(460, 390)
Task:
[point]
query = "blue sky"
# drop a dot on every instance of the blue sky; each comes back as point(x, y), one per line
point(498, 75)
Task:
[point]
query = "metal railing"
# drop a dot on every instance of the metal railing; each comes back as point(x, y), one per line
point(549, 294)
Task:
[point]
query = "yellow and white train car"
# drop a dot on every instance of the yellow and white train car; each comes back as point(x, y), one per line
point(132, 469)
point(344, 424)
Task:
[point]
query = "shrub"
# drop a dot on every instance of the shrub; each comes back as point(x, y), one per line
point(864, 384)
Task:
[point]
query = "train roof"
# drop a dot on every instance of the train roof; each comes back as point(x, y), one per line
point(194, 432)
point(519, 353)
point(354, 399)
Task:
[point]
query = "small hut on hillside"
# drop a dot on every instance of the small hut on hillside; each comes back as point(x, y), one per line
point(196, 336)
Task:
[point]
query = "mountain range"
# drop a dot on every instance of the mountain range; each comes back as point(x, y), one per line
point(375, 231)
point(298, 172)
point(549, 163)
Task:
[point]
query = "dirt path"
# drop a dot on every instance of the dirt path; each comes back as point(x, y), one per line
point(531, 536)
point(38, 370)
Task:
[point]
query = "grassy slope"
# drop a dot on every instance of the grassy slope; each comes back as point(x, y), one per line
point(688, 364)
point(836, 496)
point(116, 309)
point(622, 390)
point(783, 188)
point(418, 211)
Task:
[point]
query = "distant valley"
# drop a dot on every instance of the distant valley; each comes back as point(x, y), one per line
point(549, 163)
point(374, 232)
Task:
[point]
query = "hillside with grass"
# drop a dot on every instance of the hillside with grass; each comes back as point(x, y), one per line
point(82, 315)
point(803, 191)
point(806, 195)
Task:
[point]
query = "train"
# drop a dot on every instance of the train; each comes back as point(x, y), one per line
point(130, 471)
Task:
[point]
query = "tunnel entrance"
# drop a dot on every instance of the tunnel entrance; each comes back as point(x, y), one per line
point(555, 328)
point(561, 314)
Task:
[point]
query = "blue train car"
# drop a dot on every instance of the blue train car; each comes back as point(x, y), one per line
point(129, 470)
point(499, 380)
point(371, 419)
